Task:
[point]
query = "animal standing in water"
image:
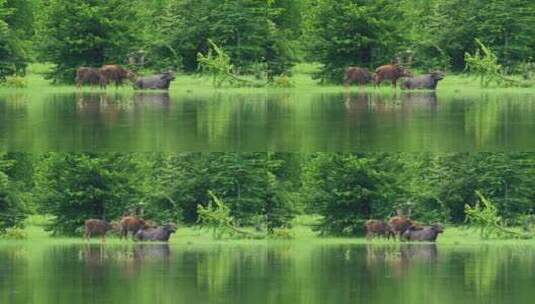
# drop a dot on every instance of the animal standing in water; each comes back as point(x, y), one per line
point(155, 82)
point(377, 228)
point(90, 76)
point(131, 224)
point(160, 234)
point(96, 227)
point(116, 74)
point(424, 234)
point(357, 75)
point(391, 72)
point(426, 82)
point(399, 224)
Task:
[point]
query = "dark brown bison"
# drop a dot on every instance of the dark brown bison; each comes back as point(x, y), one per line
point(359, 75)
point(132, 224)
point(155, 82)
point(113, 73)
point(160, 234)
point(377, 228)
point(391, 72)
point(96, 227)
point(423, 234)
point(399, 224)
point(90, 76)
point(426, 82)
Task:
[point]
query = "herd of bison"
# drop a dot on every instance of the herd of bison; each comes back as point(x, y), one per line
point(116, 74)
point(139, 229)
point(400, 227)
point(393, 72)
point(403, 228)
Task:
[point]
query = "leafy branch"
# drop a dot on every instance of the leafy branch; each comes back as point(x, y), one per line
point(217, 63)
point(484, 64)
point(216, 216)
point(484, 216)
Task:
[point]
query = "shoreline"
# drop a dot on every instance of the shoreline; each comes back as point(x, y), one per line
point(195, 237)
point(301, 79)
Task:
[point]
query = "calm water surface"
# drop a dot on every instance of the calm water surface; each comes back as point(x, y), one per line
point(277, 121)
point(278, 273)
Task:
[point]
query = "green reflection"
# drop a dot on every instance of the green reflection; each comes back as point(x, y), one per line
point(266, 273)
point(294, 121)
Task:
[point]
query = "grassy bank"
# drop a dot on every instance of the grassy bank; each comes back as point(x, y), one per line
point(301, 79)
point(301, 233)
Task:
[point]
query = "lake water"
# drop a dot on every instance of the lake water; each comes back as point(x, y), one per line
point(266, 273)
point(277, 121)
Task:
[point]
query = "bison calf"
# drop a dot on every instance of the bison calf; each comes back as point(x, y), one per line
point(426, 82)
point(425, 234)
point(91, 76)
point(131, 224)
point(391, 72)
point(160, 234)
point(377, 228)
point(116, 74)
point(399, 224)
point(96, 227)
point(359, 75)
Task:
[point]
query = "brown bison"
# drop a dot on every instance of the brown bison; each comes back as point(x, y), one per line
point(359, 75)
point(91, 76)
point(391, 72)
point(116, 74)
point(132, 224)
point(96, 227)
point(377, 228)
point(399, 224)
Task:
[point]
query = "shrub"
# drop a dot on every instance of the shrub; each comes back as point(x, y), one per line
point(14, 234)
point(16, 82)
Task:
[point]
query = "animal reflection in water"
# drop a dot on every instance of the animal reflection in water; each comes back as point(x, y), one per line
point(93, 255)
point(152, 98)
point(378, 102)
point(113, 103)
point(101, 103)
point(156, 252)
point(400, 257)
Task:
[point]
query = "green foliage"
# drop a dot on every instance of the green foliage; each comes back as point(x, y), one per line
point(75, 187)
point(484, 64)
point(16, 25)
point(442, 33)
point(76, 33)
point(216, 217)
point(14, 234)
point(15, 82)
point(339, 191)
point(13, 209)
point(348, 189)
point(218, 66)
point(177, 184)
point(442, 184)
point(168, 34)
point(246, 29)
point(283, 81)
point(341, 33)
point(485, 216)
point(527, 69)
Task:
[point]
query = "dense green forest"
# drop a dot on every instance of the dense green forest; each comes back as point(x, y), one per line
point(269, 36)
point(270, 188)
